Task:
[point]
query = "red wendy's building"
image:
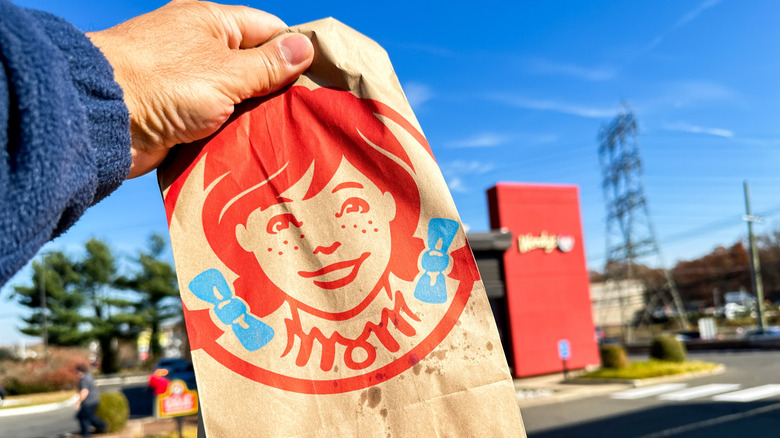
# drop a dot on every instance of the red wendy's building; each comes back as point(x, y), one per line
point(536, 278)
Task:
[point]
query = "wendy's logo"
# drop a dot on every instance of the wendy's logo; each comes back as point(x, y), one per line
point(328, 276)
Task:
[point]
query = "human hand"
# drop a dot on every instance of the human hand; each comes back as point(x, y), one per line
point(185, 66)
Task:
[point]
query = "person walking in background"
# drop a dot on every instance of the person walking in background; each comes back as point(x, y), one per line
point(88, 402)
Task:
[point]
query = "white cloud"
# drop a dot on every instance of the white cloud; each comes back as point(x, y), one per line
point(685, 93)
point(695, 13)
point(455, 184)
point(484, 140)
point(494, 139)
point(682, 94)
point(687, 127)
point(543, 138)
point(417, 94)
point(685, 19)
point(553, 105)
point(455, 173)
point(543, 66)
point(462, 167)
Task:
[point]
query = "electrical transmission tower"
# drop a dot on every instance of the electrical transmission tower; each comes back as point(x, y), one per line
point(630, 234)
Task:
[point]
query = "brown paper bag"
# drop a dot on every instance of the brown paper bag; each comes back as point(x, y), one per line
point(327, 284)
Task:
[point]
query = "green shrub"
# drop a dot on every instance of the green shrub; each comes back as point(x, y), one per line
point(613, 356)
point(114, 410)
point(667, 348)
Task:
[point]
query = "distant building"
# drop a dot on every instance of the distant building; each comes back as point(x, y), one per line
point(740, 297)
point(616, 303)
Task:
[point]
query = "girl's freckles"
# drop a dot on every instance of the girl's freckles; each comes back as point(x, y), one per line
point(370, 222)
point(285, 242)
point(280, 253)
point(302, 236)
point(364, 231)
point(354, 226)
point(376, 230)
point(296, 248)
point(269, 249)
point(343, 226)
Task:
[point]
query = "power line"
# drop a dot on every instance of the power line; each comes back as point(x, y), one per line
point(711, 227)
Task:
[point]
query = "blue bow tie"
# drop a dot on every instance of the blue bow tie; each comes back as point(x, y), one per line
point(431, 287)
point(211, 286)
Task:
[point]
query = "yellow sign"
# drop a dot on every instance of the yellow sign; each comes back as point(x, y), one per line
point(177, 401)
point(544, 241)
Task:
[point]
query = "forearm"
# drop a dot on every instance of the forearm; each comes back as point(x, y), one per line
point(61, 120)
point(82, 396)
point(65, 122)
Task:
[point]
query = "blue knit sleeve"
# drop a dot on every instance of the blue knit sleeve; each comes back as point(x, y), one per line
point(64, 131)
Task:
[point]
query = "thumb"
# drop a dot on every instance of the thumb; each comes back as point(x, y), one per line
point(262, 70)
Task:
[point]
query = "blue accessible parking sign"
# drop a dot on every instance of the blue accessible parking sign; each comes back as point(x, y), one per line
point(564, 349)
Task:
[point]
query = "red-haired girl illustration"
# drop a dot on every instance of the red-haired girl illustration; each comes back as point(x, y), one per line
point(318, 213)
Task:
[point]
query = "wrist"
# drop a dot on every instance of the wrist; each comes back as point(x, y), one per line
point(147, 129)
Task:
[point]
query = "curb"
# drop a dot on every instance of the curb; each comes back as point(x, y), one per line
point(637, 383)
point(39, 408)
point(558, 396)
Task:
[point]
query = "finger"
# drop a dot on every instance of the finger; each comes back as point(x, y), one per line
point(247, 27)
point(265, 69)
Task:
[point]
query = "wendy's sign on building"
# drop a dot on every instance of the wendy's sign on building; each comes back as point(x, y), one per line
point(544, 241)
point(547, 286)
point(327, 284)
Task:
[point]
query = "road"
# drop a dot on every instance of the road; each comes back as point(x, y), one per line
point(62, 421)
point(743, 401)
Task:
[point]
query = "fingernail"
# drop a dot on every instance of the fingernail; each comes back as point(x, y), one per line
point(296, 49)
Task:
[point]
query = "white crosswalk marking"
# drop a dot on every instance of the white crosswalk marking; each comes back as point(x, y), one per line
point(699, 391)
point(633, 394)
point(750, 394)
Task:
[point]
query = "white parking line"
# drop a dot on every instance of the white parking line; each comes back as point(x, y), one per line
point(633, 394)
point(699, 391)
point(751, 394)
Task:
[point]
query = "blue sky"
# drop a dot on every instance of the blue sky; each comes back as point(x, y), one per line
point(517, 91)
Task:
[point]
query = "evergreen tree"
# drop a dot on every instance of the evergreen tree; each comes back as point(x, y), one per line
point(56, 276)
point(87, 300)
point(112, 315)
point(156, 283)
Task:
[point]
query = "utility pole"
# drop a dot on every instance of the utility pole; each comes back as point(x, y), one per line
point(44, 309)
point(755, 264)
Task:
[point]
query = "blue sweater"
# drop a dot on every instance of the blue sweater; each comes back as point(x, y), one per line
point(65, 139)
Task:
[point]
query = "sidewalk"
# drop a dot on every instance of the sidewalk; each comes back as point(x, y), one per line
point(534, 391)
point(153, 427)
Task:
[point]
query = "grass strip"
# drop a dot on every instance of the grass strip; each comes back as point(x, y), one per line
point(36, 399)
point(652, 368)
